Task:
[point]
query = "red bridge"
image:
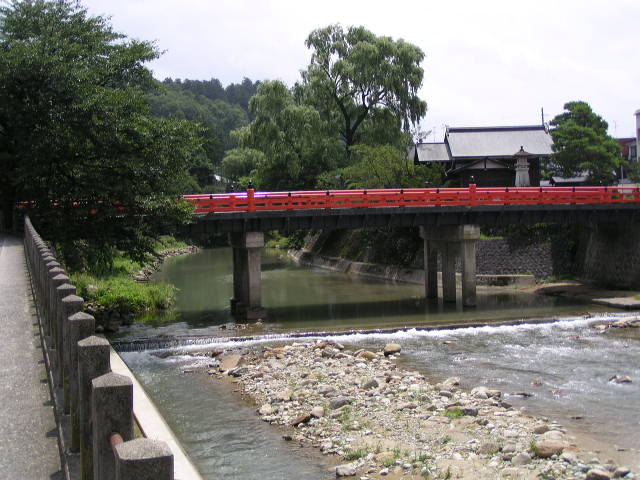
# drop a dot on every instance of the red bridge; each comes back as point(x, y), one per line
point(449, 220)
point(252, 201)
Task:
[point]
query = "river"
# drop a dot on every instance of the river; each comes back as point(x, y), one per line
point(564, 365)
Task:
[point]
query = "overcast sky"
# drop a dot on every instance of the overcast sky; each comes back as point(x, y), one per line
point(487, 62)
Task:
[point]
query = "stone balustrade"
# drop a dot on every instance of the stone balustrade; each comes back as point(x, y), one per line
point(95, 403)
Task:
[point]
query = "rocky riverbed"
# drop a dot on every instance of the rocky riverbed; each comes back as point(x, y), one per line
point(380, 421)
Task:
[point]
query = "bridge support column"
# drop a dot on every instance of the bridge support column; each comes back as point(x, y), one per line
point(451, 241)
point(247, 290)
point(430, 268)
point(468, 251)
point(448, 255)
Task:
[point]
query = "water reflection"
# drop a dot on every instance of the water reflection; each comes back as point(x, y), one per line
point(300, 299)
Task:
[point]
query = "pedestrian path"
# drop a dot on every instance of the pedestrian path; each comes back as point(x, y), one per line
point(28, 435)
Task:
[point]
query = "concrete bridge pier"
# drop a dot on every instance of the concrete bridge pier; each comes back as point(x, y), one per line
point(247, 289)
point(450, 241)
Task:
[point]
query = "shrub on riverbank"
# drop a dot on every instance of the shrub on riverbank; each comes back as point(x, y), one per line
point(113, 290)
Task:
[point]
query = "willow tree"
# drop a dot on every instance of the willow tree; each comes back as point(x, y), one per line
point(78, 145)
point(354, 75)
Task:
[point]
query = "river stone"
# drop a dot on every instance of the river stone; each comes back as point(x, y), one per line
point(339, 402)
point(479, 392)
point(547, 448)
point(329, 352)
point(317, 412)
point(488, 447)
point(367, 355)
point(569, 457)
point(266, 409)
point(391, 348)
point(509, 448)
point(238, 371)
point(327, 391)
point(621, 472)
point(304, 418)
point(372, 383)
point(347, 470)
point(494, 393)
point(540, 429)
point(283, 396)
point(451, 382)
point(521, 458)
point(597, 474)
point(230, 361)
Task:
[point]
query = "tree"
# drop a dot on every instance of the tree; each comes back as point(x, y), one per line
point(293, 139)
point(78, 144)
point(383, 166)
point(354, 72)
point(581, 145)
point(240, 163)
point(217, 117)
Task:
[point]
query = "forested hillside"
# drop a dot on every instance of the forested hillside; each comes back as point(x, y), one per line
point(219, 110)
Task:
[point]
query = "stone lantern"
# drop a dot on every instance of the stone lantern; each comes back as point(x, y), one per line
point(522, 168)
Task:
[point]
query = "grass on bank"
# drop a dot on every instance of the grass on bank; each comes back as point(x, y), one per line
point(115, 289)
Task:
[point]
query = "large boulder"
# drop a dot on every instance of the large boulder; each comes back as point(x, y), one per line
point(391, 349)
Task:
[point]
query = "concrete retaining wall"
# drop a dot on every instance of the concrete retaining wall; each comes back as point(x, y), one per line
point(396, 273)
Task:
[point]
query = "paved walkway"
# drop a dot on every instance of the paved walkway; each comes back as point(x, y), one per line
point(28, 439)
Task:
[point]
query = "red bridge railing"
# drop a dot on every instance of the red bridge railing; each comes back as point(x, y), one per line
point(252, 201)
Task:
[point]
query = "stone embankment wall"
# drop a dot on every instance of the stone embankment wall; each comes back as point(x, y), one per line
point(540, 258)
point(500, 257)
point(94, 406)
point(612, 257)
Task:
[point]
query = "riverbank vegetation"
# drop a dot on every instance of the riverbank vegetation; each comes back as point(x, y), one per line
point(114, 291)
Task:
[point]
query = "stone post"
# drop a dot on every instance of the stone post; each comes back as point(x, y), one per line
point(111, 412)
point(80, 326)
point(50, 304)
point(143, 459)
point(71, 304)
point(61, 292)
point(247, 256)
point(56, 281)
point(93, 361)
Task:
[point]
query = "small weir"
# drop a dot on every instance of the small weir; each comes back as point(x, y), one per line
point(542, 347)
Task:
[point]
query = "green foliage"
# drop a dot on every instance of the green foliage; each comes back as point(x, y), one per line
point(241, 162)
point(383, 166)
point(353, 74)
point(293, 240)
point(453, 413)
point(216, 116)
point(291, 137)
point(355, 454)
point(115, 289)
point(78, 140)
point(581, 144)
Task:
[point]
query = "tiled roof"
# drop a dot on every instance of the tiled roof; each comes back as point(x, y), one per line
point(469, 142)
point(432, 152)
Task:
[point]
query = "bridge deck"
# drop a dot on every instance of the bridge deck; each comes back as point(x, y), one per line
point(392, 217)
point(28, 444)
point(413, 207)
